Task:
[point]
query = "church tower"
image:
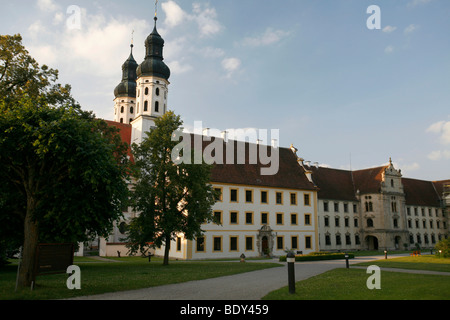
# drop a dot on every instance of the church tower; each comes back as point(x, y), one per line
point(125, 92)
point(151, 87)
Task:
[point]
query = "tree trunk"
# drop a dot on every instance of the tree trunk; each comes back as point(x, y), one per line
point(166, 251)
point(30, 244)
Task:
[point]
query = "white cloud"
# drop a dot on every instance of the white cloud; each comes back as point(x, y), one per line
point(230, 65)
point(270, 36)
point(442, 128)
point(416, 3)
point(176, 67)
point(439, 155)
point(389, 29)
point(411, 28)
point(206, 19)
point(202, 15)
point(174, 14)
point(47, 5)
point(389, 49)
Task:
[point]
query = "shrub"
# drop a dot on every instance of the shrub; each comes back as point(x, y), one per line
point(444, 246)
point(316, 256)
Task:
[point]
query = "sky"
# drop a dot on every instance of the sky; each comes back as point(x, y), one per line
point(348, 85)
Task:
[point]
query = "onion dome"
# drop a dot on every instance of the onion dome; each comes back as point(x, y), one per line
point(153, 64)
point(127, 88)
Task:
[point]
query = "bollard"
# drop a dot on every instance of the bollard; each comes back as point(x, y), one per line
point(346, 261)
point(291, 272)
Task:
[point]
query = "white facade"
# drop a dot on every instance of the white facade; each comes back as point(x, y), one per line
point(255, 221)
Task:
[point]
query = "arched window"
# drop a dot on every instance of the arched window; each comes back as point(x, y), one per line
point(122, 110)
point(145, 106)
point(121, 120)
point(131, 120)
point(146, 91)
point(131, 110)
point(369, 223)
point(156, 106)
point(157, 92)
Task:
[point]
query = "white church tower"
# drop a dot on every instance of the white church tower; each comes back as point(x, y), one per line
point(151, 87)
point(125, 92)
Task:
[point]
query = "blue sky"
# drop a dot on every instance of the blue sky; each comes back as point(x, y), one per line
point(344, 95)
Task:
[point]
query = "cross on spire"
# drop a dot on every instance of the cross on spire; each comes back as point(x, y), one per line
point(156, 8)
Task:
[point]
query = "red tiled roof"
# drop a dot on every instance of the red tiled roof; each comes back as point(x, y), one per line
point(368, 180)
point(421, 193)
point(333, 184)
point(125, 133)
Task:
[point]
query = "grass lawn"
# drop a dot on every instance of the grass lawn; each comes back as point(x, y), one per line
point(350, 284)
point(128, 274)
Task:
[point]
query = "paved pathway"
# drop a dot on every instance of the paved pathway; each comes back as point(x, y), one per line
point(247, 286)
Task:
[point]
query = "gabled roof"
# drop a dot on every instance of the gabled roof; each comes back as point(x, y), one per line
point(368, 180)
point(125, 133)
point(290, 174)
point(333, 184)
point(421, 193)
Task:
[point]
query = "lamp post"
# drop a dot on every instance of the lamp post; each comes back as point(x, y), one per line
point(346, 261)
point(290, 258)
point(385, 254)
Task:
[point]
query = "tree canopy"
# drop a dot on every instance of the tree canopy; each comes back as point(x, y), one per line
point(63, 172)
point(171, 199)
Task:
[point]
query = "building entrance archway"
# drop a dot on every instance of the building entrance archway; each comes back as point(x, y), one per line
point(372, 243)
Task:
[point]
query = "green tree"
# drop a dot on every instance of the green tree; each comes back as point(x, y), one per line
point(171, 198)
point(62, 171)
point(442, 248)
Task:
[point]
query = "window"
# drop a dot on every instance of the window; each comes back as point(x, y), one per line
point(326, 221)
point(336, 221)
point(336, 207)
point(218, 217)
point(121, 120)
point(345, 207)
point(325, 206)
point(307, 219)
point(348, 240)
point(234, 218)
point(280, 243)
point(327, 240)
point(264, 218)
point(307, 199)
point(294, 242)
point(293, 219)
point(156, 106)
point(131, 110)
point(217, 243)
point(233, 243)
point(279, 218)
point(293, 199)
point(201, 244)
point(308, 242)
point(178, 243)
point(146, 91)
point(249, 218)
point(264, 197)
point(218, 194)
point(369, 223)
point(145, 106)
point(355, 222)
point(233, 195)
point(157, 91)
point(338, 240)
point(346, 222)
point(122, 109)
point(249, 243)
point(395, 223)
point(249, 196)
point(279, 198)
